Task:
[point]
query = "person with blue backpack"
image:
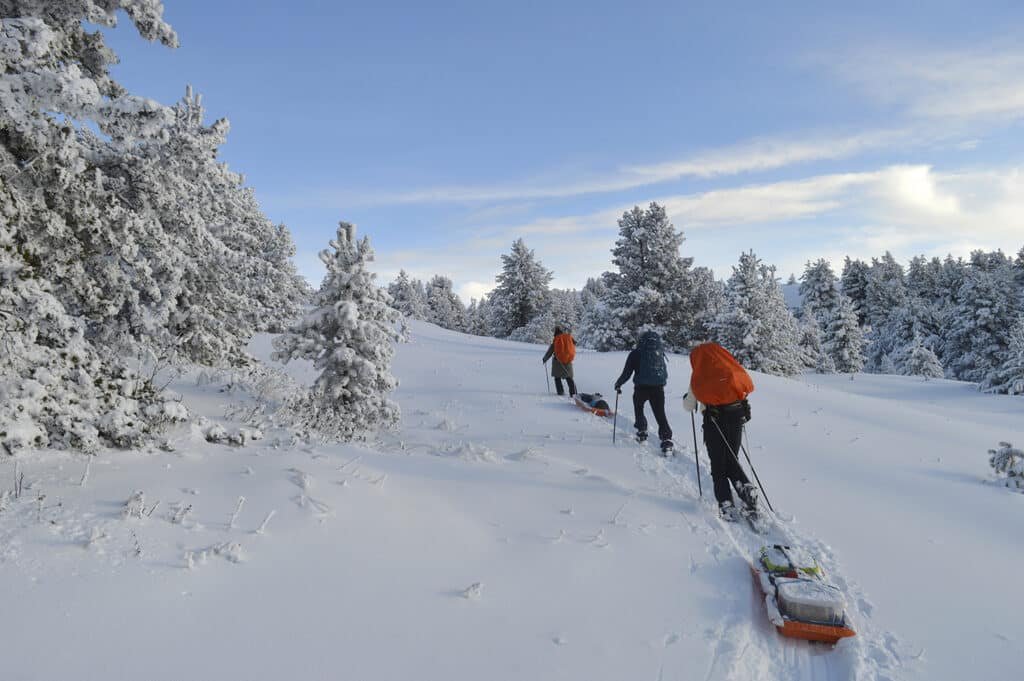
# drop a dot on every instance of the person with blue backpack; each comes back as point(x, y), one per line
point(646, 363)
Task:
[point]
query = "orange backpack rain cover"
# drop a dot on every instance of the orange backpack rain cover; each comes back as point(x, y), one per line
point(717, 377)
point(565, 349)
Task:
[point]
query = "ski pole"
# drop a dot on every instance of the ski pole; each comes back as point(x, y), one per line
point(754, 470)
point(737, 459)
point(547, 378)
point(615, 415)
point(696, 463)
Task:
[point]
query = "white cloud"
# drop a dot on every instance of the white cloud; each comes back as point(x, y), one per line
point(965, 85)
point(756, 155)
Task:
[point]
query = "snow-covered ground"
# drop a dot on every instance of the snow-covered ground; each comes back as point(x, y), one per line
point(500, 535)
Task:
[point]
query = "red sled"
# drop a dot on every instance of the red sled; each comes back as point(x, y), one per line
point(800, 603)
point(595, 404)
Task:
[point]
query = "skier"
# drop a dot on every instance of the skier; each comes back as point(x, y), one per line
point(719, 385)
point(646, 363)
point(563, 348)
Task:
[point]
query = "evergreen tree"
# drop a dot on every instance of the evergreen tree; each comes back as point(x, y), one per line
point(651, 289)
point(708, 299)
point(407, 297)
point(813, 355)
point(855, 284)
point(522, 290)
point(1010, 376)
point(443, 306)
point(564, 305)
point(845, 345)
point(819, 292)
point(922, 361)
point(984, 312)
point(756, 326)
point(478, 317)
point(349, 338)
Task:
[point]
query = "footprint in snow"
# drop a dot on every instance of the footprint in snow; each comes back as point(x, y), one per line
point(473, 592)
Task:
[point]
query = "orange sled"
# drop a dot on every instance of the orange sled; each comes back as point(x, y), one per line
point(593, 403)
point(800, 603)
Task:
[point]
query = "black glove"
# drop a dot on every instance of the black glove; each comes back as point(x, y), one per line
point(618, 390)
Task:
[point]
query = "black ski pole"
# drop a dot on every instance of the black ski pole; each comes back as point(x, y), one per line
point(736, 458)
point(547, 378)
point(754, 470)
point(615, 414)
point(696, 463)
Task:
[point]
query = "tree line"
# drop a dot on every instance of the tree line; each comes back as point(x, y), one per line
point(953, 318)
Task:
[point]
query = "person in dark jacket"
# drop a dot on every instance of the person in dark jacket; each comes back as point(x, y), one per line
point(646, 363)
point(559, 370)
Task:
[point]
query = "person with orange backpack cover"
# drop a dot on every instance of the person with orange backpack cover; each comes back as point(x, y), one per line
point(563, 349)
point(721, 385)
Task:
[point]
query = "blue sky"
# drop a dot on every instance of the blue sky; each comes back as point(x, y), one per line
point(446, 130)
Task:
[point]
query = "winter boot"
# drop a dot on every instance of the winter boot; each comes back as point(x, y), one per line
point(667, 447)
point(727, 512)
point(751, 503)
point(751, 499)
point(641, 436)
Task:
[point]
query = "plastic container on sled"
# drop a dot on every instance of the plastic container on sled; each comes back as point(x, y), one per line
point(800, 603)
point(595, 404)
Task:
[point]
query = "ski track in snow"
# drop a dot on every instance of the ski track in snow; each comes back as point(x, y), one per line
point(452, 476)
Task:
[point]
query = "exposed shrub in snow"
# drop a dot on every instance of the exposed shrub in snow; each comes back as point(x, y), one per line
point(349, 338)
point(1008, 464)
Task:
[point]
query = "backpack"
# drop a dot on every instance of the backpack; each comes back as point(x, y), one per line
point(717, 377)
point(565, 348)
point(651, 368)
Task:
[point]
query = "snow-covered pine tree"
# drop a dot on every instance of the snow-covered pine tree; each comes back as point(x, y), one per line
point(812, 354)
point(522, 290)
point(652, 288)
point(985, 310)
point(921, 361)
point(350, 339)
point(887, 305)
point(443, 306)
point(565, 308)
point(478, 317)
point(819, 292)
point(755, 325)
point(69, 238)
point(1009, 377)
point(406, 297)
point(845, 339)
point(709, 300)
point(854, 283)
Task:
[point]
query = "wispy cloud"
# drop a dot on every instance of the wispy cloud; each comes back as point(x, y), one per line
point(903, 208)
point(755, 155)
point(959, 85)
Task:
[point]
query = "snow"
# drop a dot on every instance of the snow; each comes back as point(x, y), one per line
point(498, 534)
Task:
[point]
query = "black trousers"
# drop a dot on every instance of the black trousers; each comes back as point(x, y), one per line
point(725, 467)
point(561, 390)
point(655, 394)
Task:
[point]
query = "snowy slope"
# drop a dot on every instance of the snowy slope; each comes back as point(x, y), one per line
point(500, 535)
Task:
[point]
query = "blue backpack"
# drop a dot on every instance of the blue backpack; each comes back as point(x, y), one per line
point(651, 368)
